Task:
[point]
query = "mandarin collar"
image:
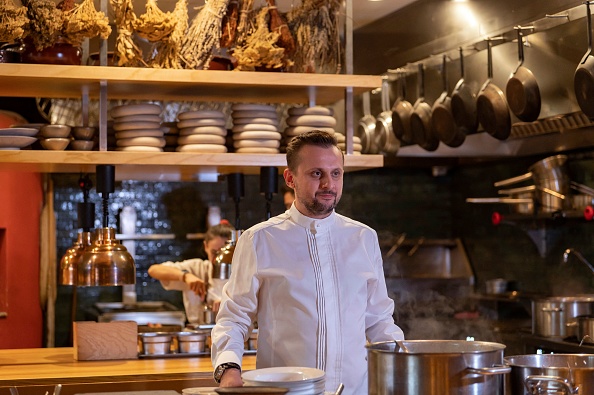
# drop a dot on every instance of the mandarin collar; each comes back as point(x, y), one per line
point(313, 224)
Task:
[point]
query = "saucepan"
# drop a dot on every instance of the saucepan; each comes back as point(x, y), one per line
point(493, 112)
point(401, 111)
point(583, 79)
point(366, 127)
point(464, 102)
point(420, 119)
point(548, 173)
point(385, 138)
point(442, 119)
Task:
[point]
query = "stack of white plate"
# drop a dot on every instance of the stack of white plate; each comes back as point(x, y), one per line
point(170, 134)
point(137, 127)
point(299, 380)
point(201, 131)
point(357, 146)
point(255, 128)
point(17, 138)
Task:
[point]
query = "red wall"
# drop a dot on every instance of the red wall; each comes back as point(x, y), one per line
point(21, 197)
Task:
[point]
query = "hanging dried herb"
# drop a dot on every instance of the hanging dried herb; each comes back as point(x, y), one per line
point(167, 51)
point(279, 25)
point(13, 21)
point(204, 35)
point(154, 24)
point(315, 25)
point(45, 22)
point(126, 51)
point(84, 21)
point(243, 27)
point(230, 21)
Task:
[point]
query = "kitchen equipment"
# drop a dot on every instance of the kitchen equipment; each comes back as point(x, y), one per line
point(221, 268)
point(464, 102)
point(546, 200)
point(496, 286)
point(298, 380)
point(432, 367)
point(522, 91)
point(550, 374)
point(252, 390)
point(268, 185)
point(420, 119)
point(585, 329)
point(556, 316)
point(442, 119)
point(155, 343)
point(191, 342)
point(385, 138)
point(366, 127)
point(583, 79)
point(492, 110)
point(401, 111)
point(161, 315)
point(235, 186)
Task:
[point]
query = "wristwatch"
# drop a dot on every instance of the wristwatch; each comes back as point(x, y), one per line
point(218, 373)
point(184, 273)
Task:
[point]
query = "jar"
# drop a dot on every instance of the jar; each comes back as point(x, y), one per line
point(61, 52)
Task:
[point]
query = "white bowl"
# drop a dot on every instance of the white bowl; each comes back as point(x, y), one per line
point(50, 131)
point(55, 144)
point(82, 145)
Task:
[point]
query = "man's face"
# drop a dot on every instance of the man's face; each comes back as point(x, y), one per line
point(317, 181)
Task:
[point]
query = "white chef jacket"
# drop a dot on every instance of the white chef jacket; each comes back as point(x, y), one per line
point(193, 303)
point(317, 290)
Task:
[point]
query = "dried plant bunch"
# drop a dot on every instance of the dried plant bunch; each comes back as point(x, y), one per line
point(126, 51)
point(260, 49)
point(315, 25)
point(84, 21)
point(243, 27)
point(204, 35)
point(230, 21)
point(167, 52)
point(45, 22)
point(154, 25)
point(13, 21)
point(279, 25)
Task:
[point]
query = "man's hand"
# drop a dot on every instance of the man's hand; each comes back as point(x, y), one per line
point(231, 378)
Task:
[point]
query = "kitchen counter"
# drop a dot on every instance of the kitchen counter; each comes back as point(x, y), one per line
point(35, 371)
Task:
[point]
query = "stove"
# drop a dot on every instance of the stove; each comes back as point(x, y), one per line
point(534, 344)
point(150, 316)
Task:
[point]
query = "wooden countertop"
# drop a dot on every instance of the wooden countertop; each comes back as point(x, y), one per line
point(34, 371)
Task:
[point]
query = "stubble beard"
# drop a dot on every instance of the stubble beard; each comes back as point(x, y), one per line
point(318, 208)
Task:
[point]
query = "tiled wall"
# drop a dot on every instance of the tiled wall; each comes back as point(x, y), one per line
point(391, 200)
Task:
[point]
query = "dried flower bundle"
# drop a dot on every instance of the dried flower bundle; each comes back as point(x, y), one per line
point(167, 51)
point(126, 51)
point(315, 25)
point(204, 35)
point(84, 21)
point(279, 25)
point(230, 21)
point(13, 21)
point(260, 49)
point(45, 22)
point(154, 24)
point(243, 27)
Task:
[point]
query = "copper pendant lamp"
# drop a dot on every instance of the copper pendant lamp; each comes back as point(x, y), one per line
point(106, 262)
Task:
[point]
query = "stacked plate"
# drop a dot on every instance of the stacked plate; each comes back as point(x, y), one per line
point(299, 380)
point(255, 128)
point(201, 131)
point(357, 146)
point(137, 127)
point(17, 138)
point(170, 134)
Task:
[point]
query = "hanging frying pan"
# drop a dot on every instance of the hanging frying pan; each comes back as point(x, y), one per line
point(493, 113)
point(583, 80)
point(366, 127)
point(521, 91)
point(442, 120)
point(464, 103)
point(420, 119)
point(401, 111)
point(385, 138)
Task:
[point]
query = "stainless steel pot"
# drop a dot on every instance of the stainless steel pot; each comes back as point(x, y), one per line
point(557, 316)
point(585, 329)
point(550, 374)
point(436, 367)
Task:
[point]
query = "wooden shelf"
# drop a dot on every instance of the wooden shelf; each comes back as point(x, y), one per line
point(55, 81)
point(156, 166)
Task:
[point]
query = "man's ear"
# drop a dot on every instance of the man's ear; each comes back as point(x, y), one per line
point(289, 179)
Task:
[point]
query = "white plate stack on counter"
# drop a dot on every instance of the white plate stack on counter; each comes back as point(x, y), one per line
point(299, 380)
point(357, 146)
point(201, 131)
point(255, 128)
point(304, 119)
point(137, 127)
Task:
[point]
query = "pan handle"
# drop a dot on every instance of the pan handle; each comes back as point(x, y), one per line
point(490, 371)
point(520, 48)
point(500, 200)
point(513, 180)
point(534, 383)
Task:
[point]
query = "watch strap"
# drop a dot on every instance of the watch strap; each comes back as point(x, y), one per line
point(218, 373)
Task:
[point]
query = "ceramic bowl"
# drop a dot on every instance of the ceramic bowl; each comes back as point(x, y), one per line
point(52, 131)
point(83, 132)
point(55, 143)
point(82, 145)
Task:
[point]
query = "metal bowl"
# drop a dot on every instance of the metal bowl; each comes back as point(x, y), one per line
point(191, 342)
point(155, 343)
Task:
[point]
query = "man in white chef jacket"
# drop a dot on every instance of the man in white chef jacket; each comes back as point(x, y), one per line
point(311, 278)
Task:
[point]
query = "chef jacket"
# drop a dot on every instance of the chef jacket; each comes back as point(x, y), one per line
point(193, 303)
point(317, 291)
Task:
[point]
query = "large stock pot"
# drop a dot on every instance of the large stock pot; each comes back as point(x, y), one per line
point(436, 367)
point(556, 316)
point(570, 374)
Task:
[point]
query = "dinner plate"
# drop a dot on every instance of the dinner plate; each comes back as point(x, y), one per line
point(205, 148)
point(122, 126)
point(194, 122)
point(315, 110)
point(257, 135)
point(201, 139)
point(284, 374)
point(142, 141)
point(256, 143)
point(18, 132)
point(252, 107)
point(312, 120)
point(15, 142)
point(254, 126)
point(217, 130)
point(257, 120)
point(200, 114)
point(297, 130)
point(126, 134)
point(140, 148)
point(254, 114)
point(139, 118)
point(257, 150)
point(135, 109)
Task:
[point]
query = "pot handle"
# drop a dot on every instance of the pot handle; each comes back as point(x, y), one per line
point(513, 180)
point(493, 370)
point(534, 383)
point(552, 310)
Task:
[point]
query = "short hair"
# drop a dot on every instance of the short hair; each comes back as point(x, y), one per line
point(221, 230)
point(313, 137)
